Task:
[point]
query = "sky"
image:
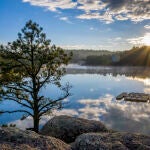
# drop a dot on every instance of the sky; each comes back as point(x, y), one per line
point(80, 24)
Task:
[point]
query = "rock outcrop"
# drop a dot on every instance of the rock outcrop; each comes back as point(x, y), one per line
point(15, 139)
point(68, 128)
point(112, 141)
point(84, 135)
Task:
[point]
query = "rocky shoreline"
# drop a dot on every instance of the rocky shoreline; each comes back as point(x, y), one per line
point(70, 133)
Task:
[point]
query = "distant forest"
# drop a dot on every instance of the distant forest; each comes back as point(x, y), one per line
point(137, 56)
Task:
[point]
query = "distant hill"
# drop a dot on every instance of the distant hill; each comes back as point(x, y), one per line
point(137, 56)
point(80, 56)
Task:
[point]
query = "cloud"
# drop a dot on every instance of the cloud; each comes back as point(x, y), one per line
point(119, 115)
point(147, 26)
point(73, 46)
point(105, 17)
point(28, 122)
point(53, 5)
point(91, 28)
point(134, 10)
point(118, 39)
point(135, 41)
point(121, 17)
point(90, 5)
point(143, 40)
point(66, 19)
point(82, 46)
point(104, 10)
point(145, 81)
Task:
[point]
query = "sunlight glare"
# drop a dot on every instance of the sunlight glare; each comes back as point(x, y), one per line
point(146, 39)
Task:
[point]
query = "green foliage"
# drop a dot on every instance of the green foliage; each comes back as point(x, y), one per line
point(137, 56)
point(99, 60)
point(27, 65)
point(80, 56)
point(10, 125)
point(4, 125)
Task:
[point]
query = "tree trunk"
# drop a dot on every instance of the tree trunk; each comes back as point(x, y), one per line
point(36, 123)
point(36, 116)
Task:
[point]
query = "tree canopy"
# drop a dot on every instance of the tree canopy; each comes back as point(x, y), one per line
point(27, 65)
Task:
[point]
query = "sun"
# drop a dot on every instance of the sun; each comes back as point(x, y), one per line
point(146, 39)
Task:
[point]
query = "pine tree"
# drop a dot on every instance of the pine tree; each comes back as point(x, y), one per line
point(28, 65)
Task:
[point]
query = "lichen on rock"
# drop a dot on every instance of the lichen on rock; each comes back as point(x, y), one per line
point(15, 139)
point(112, 141)
point(68, 128)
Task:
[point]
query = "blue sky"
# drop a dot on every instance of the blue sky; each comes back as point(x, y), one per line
point(80, 24)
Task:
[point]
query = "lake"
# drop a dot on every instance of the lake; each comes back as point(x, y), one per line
point(93, 97)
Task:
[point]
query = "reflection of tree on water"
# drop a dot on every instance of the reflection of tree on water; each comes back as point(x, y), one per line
point(141, 72)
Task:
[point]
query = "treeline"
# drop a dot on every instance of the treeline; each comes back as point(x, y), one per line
point(81, 56)
point(137, 56)
point(98, 60)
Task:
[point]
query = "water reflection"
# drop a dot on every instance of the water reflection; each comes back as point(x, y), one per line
point(145, 80)
point(141, 72)
point(124, 116)
point(94, 93)
point(119, 115)
point(28, 122)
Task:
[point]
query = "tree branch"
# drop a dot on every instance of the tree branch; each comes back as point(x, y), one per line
point(28, 70)
point(21, 103)
point(51, 104)
point(18, 88)
point(14, 111)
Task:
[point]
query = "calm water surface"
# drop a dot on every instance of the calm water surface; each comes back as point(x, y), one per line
point(93, 97)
